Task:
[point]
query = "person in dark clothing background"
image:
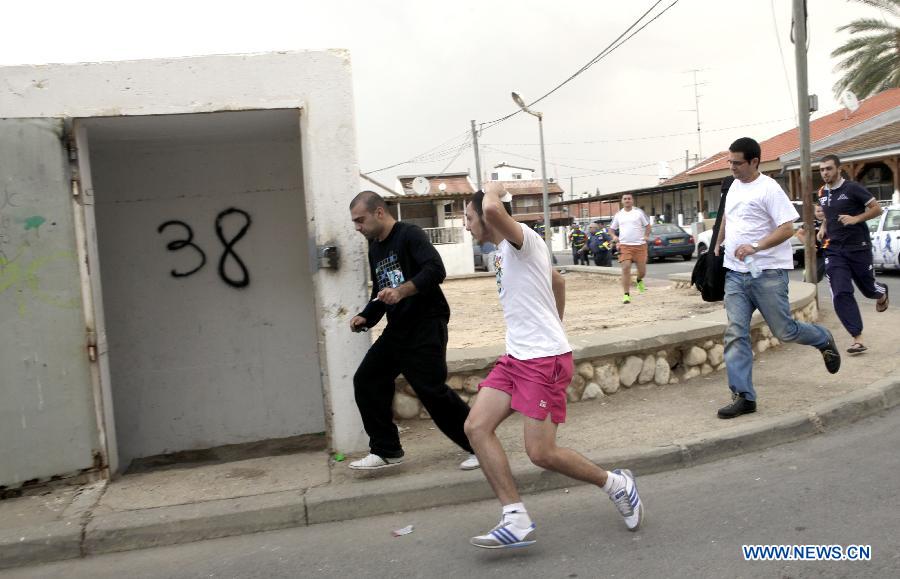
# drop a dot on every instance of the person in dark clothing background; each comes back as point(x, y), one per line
point(598, 245)
point(820, 243)
point(406, 275)
point(578, 240)
point(848, 257)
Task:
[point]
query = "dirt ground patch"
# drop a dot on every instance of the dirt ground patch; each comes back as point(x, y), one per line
point(593, 304)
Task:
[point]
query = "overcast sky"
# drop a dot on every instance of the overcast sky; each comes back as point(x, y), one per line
point(423, 69)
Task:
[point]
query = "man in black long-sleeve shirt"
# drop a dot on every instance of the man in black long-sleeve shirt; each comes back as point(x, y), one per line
point(406, 275)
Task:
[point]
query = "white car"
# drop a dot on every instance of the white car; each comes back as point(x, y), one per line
point(703, 243)
point(885, 232)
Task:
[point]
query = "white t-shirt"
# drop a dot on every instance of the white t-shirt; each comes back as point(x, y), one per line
point(631, 225)
point(533, 327)
point(753, 211)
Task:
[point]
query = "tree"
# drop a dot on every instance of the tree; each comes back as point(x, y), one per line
point(871, 58)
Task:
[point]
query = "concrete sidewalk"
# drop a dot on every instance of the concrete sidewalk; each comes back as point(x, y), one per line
point(648, 429)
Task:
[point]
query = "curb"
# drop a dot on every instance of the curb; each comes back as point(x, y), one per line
point(128, 530)
point(123, 531)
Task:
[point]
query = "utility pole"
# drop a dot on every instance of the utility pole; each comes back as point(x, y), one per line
point(803, 118)
point(687, 160)
point(571, 187)
point(477, 155)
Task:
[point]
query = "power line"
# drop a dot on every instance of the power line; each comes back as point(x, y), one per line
point(610, 48)
point(621, 171)
point(787, 78)
point(418, 158)
point(462, 148)
point(614, 45)
point(644, 138)
point(594, 170)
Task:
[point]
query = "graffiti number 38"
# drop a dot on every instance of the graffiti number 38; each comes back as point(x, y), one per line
point(188, 241)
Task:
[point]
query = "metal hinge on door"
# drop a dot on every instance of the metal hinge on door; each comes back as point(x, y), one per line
point(72, 149)
point(92, 346)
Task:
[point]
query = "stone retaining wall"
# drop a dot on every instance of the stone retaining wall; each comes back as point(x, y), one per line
point(678, 352)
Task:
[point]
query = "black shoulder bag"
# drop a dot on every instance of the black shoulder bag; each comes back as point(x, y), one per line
point(709, 271)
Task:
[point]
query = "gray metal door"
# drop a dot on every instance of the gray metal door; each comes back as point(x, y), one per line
point(48, 423)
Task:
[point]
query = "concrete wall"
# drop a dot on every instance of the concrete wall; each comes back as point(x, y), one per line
point(195, 361)
point(319, 85)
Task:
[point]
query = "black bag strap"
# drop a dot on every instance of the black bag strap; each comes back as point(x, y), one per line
point(726, 184)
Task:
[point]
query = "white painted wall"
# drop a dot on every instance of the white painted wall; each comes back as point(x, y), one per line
point(559, 239)
point(316, 82)
point(506, 173)
point(195, 362)
point(458, 258)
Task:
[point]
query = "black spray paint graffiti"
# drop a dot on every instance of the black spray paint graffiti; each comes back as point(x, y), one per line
point(229, 251)
point(182, 243)
point(229, 244)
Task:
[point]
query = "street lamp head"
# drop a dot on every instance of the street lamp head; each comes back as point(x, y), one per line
point(518, 100)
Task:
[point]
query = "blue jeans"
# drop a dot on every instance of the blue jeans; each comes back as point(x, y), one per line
point(769, 294)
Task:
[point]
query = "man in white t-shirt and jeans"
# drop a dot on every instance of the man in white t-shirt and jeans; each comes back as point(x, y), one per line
point(531, 378)
point(756, 230)
point(632, 230)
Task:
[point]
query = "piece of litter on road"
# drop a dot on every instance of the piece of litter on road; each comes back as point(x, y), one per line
point(404, 531)
point(339, 457)
point(566, 491)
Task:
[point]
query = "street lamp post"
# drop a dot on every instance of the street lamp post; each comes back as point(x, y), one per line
point(540, 117)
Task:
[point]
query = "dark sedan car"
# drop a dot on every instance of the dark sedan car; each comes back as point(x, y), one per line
point(668, 240)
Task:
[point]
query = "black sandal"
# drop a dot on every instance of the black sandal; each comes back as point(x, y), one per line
point(856, 348)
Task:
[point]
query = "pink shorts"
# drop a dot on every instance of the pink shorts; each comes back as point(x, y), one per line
point(537, 386)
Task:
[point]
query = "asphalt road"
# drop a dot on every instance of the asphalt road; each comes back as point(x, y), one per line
point(839, 488)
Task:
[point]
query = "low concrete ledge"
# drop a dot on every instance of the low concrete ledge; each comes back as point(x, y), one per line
point(633, 339)
point(599, 270)
point(680, 280)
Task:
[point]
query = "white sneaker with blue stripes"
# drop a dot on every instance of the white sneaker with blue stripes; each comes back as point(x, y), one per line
point(628, 501)
point(506, 536)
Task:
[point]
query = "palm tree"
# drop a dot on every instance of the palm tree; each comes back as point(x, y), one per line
point(871, 58)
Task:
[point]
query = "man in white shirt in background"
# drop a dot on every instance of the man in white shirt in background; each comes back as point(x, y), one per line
point(758, 224)
point(631, 231)
point(531, 378)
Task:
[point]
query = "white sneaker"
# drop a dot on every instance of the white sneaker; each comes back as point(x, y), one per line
point(505, 536)
point(470, 463)
point(628, 501)
point(375, 462)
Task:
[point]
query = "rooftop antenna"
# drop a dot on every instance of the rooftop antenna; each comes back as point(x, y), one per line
point(664, 171)
point(696, 108)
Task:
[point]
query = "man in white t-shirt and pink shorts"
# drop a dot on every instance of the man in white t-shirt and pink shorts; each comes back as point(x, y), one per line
point(632, 230)
point(531, 378)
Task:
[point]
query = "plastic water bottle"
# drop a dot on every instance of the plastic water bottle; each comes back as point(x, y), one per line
point(751, 264)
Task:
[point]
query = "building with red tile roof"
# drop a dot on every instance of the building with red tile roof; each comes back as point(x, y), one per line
point(866, 138)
